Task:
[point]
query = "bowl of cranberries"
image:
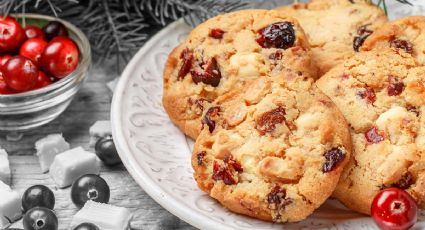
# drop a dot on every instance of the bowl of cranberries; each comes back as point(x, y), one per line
point(43, 63)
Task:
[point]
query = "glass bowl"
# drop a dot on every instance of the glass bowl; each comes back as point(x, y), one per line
point(24, 111)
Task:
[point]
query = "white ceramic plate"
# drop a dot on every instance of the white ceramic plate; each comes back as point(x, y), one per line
point(157, 154)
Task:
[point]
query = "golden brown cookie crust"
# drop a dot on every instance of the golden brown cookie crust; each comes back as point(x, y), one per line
point(333, 25)
point(239, 58)
point(277, 149)
point(408, 30)
point(382, 96)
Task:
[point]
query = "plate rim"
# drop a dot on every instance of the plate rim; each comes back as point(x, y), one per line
point(144, 181)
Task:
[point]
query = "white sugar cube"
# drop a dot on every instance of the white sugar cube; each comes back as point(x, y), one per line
point(98, 130)
point(10, 205)
point(70, 165)
point(4, 167)
point(104, 216)
point(48, 147)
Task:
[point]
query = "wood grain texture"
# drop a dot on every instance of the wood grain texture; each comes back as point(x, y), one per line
point(92, 103)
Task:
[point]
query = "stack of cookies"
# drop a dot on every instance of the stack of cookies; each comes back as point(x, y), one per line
point(294, 105)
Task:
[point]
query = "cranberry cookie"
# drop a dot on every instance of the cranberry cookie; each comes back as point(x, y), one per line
point(382, 96)
point(405, 35)
point(278, 157)
point(336, 29)
point(224, 55)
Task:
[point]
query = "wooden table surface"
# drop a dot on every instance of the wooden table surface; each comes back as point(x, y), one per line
point(92, 103)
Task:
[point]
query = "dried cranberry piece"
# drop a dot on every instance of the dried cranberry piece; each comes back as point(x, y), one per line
point(276, 56)
point(211, 75)
point(362, 34)
point(333, 157)
point(359, 41)
point(413, 109)
point(222, 173)
point(187, 57)
point(374, 136)
point(207, 120)
point(395, 87)
point(368, 94)
point(362, 30)
point(228, 159)
point(199, 103)
point(405, 181)
point(268, 121)
point(277, 198)
point(216, 33)
point(279, 35)
point(200, 157)
point(402, 44)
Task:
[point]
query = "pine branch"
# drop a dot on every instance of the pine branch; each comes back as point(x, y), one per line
point(120, 27)
point(194, 11)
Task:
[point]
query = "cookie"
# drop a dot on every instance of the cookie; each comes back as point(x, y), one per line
point(277, 158)
point(224, 55)
point(382, 96)
point(405, 35)
point(335, 29)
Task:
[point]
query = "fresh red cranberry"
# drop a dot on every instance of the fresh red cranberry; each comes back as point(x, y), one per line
point(279, 35)
point(374, 136)
point(38, 196)
point(40, 218)
point(90, 187)
point(60, 57)
point(216, 33)
point(107, 152)
point(20, 73)
point(42, 80)
point(394, 209)
point(12, 35)
point(54, 29)
point(86, 226)
point(34, 32)
point(187, 57)
point(4, 88)
point(4, 59)
point(32, 49)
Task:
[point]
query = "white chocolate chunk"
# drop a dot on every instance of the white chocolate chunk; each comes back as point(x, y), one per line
point(393, 114)
point(98, 130)
point(104, 216)
point(48, 147)
point(276, 167)
point(248, 64)
point(10, 206)
point(308, 121)
point(398, 124)
point(4, 167)
point(70, 165)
